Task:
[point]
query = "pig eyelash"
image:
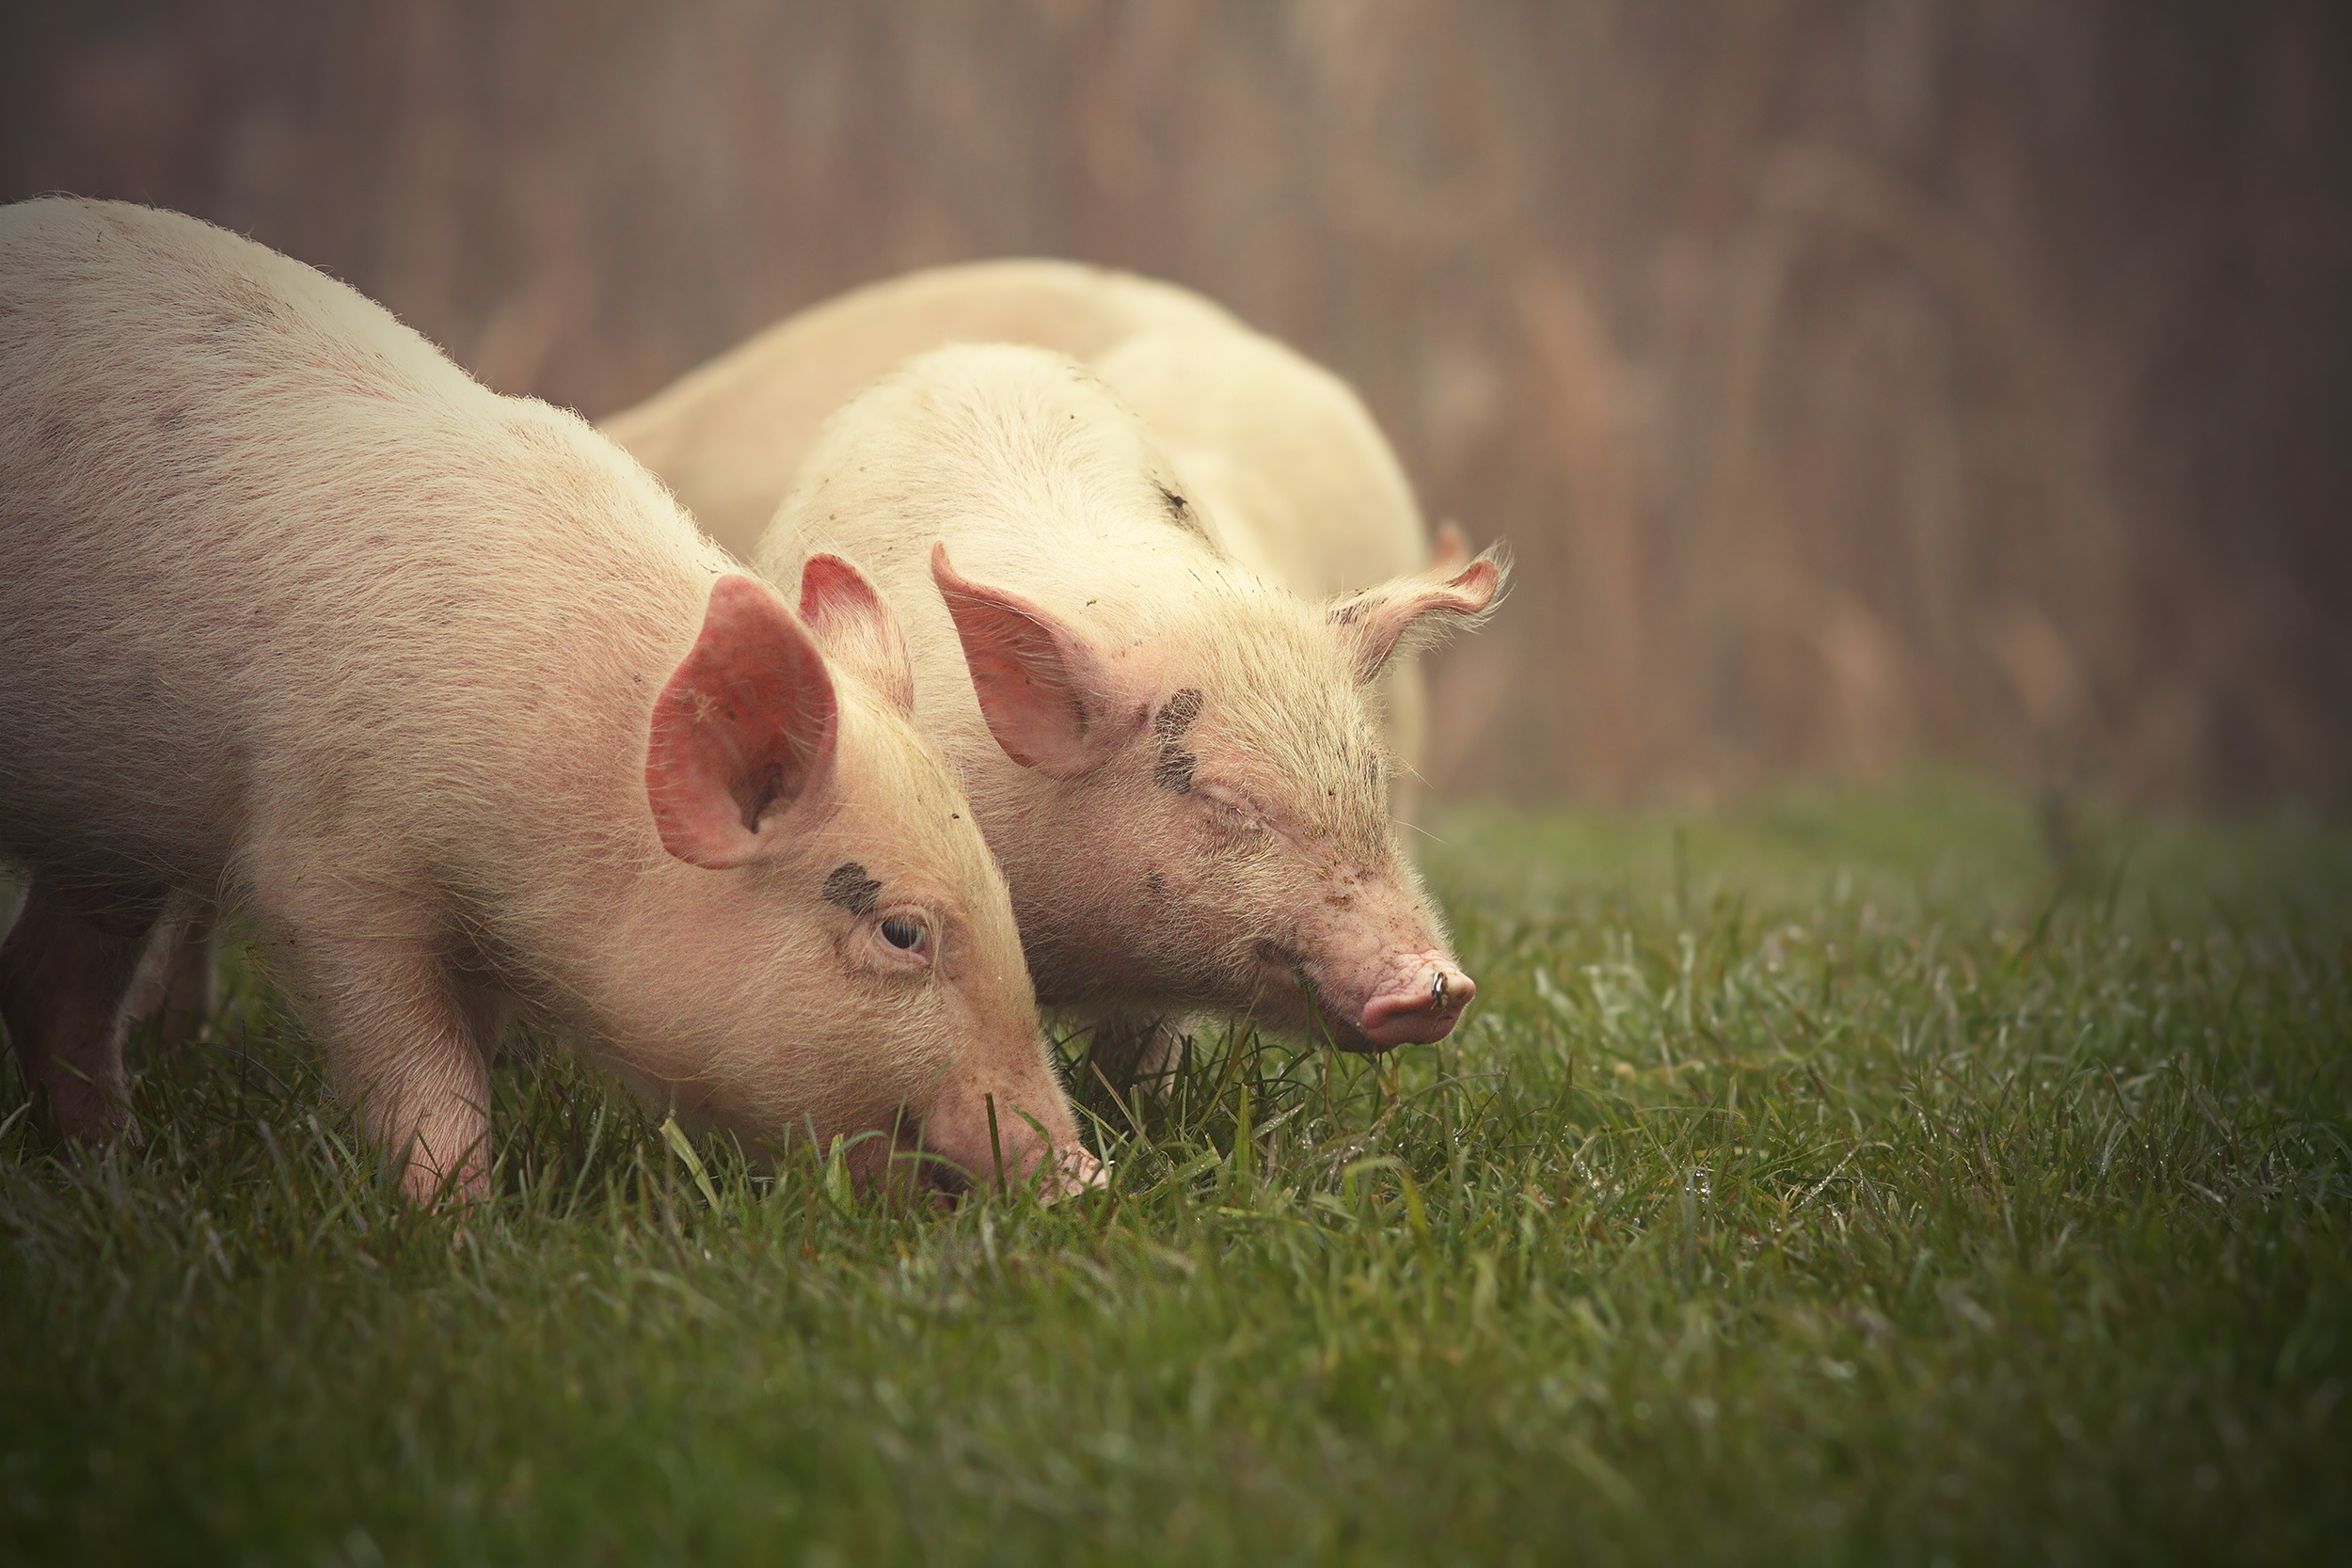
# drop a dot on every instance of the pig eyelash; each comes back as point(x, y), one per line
point(1233, 809)
point(1241, 816)
point(920, 931)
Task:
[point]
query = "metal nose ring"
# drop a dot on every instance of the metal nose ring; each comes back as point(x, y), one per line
point(1436, 991)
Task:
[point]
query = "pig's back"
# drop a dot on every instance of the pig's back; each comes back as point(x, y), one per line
point(273, 565)
point(1305, 490)
point(728, 435)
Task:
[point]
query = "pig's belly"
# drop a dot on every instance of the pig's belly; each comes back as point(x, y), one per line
point(105, 793)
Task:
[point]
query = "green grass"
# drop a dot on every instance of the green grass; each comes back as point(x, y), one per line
point(1834, 1181)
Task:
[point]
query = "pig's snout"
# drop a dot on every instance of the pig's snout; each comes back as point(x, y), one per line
point(1418, 1004)
point(1069, 1175)
point(965, 1152)
point(1075, 1172)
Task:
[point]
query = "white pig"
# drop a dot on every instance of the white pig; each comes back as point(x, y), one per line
point(1297, 482)
point(446, 697)
point(1176, 761)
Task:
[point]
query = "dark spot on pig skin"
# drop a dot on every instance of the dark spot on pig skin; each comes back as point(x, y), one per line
point(235, 322)
point(848, 886)
point(1349, 613)
point(1175, 771)
point(1178, 508)
point(1153, 885)
point(1177, 714)
point(168, 420)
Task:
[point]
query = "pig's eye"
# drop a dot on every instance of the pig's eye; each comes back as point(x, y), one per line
point(1232, 812)
point(902, 933)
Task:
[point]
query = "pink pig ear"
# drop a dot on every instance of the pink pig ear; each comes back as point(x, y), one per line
point(743, 731)
point(1372, 626)
point(855, 629)
point(1042, 689)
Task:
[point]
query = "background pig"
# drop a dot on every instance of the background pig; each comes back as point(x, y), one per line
point(1298, 482)
point(446, 695)
point(1175, 760)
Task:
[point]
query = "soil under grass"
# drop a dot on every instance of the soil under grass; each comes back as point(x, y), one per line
point(1836, 1181)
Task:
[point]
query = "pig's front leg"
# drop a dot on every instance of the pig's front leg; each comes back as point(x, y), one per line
point(1137, 1049)
point(175, 980)
point(67, 970)
point(406, 1038)
point(402, 1044)
point(191, 988)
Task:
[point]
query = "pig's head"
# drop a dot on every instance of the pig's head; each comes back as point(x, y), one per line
point(826, 948)
point(1205, 820)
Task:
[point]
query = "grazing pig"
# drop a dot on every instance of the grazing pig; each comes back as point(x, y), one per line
point(1175, 760)
point(1296, 481)
point(445, 696)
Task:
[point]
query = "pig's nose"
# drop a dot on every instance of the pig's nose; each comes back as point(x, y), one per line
point(1075, 1172)
point(1420, 1011)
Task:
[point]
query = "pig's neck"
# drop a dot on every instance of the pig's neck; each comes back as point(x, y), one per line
point(1078, 895)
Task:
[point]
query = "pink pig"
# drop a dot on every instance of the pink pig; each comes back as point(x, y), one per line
point(1179, 764)
point(445, 696)
point(1290, 477)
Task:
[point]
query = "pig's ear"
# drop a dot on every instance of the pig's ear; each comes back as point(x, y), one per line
point(743, 731)
point(855, 629)
point(1409, 612)
point(1042, 689)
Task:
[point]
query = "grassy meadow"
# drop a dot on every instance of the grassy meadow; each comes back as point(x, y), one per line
point(1909, 1177)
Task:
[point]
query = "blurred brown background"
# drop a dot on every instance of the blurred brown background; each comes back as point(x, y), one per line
point(1864, 383)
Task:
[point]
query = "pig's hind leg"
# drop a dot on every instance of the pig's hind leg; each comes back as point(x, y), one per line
point(68, 970)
